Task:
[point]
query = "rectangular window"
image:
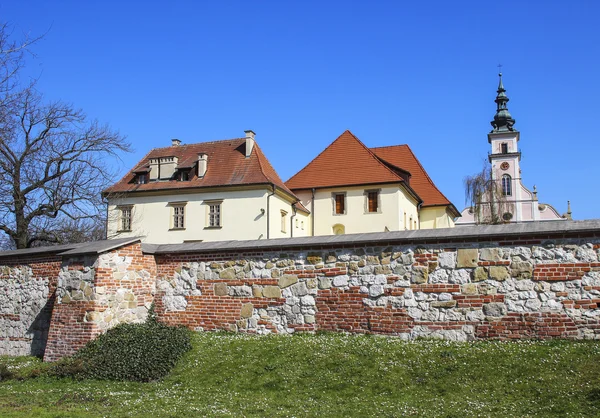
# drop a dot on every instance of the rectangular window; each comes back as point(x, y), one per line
point(126, 218)
point(141, 178)
point(283, 221)
point(178, 217)
point(214, 215)
point(372, 202)
point(184, 175)
point(340, 203)
point(504, 147)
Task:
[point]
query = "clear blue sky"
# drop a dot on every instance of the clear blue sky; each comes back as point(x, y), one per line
point(300, 73)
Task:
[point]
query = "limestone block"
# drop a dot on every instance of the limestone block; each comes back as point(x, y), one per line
point(275, 273)
point(447, 259)
point(521, 269)
point(246, 311)
point(443, 304)
point(287, 280)
point(240, 291)
point(480, 274)
point(324, 283)
point(376, 290)
point(309, 319)
point(313, 258)
point(489, 254)
point(257, 291)
point(221, 289)
point(499, 273)
point(271, 292)
point(269, 265)
point(228, 274)
point(466, 257)
point(340, 281)
point(494, 309)
point(386, 260)
point(460, 276)
point(299, 289)
point(469, 289)
point(312, 283)
point(419, 275)
point(241, 323)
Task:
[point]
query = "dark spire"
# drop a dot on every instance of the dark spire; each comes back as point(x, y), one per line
point(503, 121)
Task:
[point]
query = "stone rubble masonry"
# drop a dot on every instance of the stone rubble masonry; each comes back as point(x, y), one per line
point(465, 290)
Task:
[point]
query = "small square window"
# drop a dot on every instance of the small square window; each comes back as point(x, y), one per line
point(141, 178)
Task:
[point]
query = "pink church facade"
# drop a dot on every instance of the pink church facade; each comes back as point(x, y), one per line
point(520, 203)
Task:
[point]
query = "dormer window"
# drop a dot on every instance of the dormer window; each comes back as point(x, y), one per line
point(504, 148)
point(183, 175)
point(141, 178)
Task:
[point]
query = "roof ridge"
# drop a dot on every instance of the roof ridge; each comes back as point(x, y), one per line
point(371, 153)
point(197, 143)
point(420, 166)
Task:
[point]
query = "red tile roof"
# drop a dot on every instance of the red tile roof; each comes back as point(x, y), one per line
point(403, 157)
point(346, 162)
point(227, 166)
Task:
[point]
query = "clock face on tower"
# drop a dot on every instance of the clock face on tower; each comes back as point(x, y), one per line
point(504, 165)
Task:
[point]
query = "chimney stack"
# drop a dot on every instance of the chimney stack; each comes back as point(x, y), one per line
point(175, 142)
point(202, 164)
point(249, 142)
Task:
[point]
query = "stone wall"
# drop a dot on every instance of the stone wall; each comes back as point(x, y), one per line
point(502, 282)
point(475, 290)
point(98, 292)
point(26, 289)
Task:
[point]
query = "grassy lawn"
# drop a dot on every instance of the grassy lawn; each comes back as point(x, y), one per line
point(332, 375)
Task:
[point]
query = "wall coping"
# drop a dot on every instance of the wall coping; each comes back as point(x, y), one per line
point(90, 247)
point(546, 229)
point(529, 230)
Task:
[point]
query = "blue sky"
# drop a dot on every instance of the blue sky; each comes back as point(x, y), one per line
point(300, 73)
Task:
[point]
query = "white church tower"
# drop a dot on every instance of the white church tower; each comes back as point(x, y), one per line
point(521, 205)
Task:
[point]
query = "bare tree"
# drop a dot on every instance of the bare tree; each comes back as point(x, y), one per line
point(485, 198)
point(53, 162)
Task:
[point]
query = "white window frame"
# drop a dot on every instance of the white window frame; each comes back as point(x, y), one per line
point(123, 220)
point(178, 216)
point(214, 214)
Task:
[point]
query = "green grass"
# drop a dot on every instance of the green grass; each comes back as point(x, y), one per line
point(332, 375)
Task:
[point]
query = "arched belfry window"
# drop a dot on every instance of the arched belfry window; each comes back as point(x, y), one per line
point(506, 185)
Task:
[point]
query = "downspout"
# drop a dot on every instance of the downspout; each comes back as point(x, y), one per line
point(419, 214)
point(312, 211)
point(295, 211)
point(268, 211)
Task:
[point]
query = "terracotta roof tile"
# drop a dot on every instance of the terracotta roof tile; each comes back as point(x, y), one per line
point(402, 156)
point(345, 162)
point(227, 166)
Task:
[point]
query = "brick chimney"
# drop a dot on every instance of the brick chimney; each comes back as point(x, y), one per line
point(249, 142)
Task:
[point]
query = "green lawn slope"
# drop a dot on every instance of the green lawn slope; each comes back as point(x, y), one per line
point(331, 375)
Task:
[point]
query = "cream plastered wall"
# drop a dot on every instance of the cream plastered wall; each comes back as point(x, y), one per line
point(280, 205)
point(435, 217)
point(394, 202)
point(242, 216)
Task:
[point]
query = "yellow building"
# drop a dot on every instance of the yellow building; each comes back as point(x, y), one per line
point(350, 188)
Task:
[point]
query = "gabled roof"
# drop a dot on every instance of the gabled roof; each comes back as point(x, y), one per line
point(346, 162)
point(227, 166)
point(402, 156)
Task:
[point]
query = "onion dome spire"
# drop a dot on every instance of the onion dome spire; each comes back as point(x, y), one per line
point(503, 121)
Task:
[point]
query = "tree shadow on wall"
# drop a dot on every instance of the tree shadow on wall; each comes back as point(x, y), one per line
point(40, 326)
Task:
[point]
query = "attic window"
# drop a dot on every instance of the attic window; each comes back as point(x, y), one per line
point(141, 178)
point(504, 147)
point(183, 175)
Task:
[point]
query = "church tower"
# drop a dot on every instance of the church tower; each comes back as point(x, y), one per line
point(505, 156)
point(521, 204)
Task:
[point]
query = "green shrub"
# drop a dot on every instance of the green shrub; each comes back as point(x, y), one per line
point(139, 352)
